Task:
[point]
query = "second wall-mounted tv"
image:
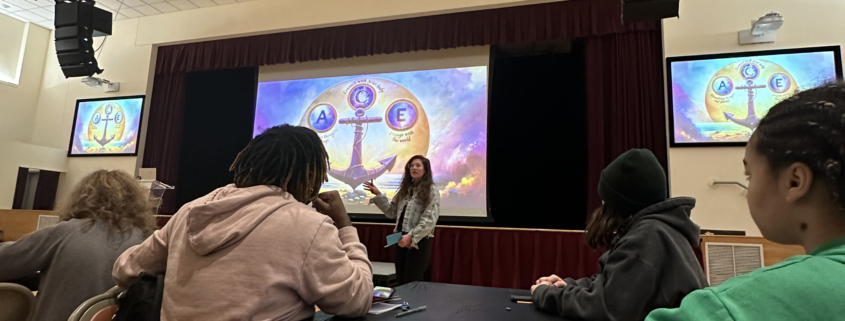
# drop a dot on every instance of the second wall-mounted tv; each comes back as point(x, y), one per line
point(718, 100)
point(106, 126)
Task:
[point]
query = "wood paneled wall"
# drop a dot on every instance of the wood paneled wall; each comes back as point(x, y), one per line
point(16, 223)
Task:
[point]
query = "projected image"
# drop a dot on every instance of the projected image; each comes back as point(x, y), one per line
point(106, 127)
point(372, 124)
point(722, 100)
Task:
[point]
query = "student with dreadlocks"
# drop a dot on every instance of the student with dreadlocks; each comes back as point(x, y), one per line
point(254, 250)
point(796, 195)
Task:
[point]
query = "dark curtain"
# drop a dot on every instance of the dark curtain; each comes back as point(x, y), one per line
point(219, 114)
point(45, 191)
point(624, 100)
point(20, 188)
point(164, 133)
point(524, 24)
point(537, 120)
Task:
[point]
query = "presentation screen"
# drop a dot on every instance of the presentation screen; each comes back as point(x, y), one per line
point(718, 100)
point(373, 124)
point(106, 126)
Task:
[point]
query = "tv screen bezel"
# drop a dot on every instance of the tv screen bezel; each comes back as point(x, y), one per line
point(837, 57)
point(76, 114)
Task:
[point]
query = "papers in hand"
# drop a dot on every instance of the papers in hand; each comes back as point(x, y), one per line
point(393, 238)
point(379, 308)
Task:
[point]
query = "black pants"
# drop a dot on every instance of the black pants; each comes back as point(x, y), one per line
point(411, 263)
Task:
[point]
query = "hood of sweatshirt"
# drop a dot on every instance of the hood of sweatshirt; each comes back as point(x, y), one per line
point(674, 212)
point(228, 214)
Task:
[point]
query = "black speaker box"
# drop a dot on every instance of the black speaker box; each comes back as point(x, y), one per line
point(643, 10)
point(77, 23)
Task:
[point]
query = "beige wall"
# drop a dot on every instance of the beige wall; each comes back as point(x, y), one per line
point(13, 37)
point(710, 26)
point(18, 101)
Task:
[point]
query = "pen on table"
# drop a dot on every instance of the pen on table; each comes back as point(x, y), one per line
point(410, 311)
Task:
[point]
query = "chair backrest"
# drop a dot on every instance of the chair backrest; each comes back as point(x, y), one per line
point(100, 307)
point(16, 302)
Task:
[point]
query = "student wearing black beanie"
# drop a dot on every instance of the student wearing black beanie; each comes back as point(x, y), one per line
point(649, 239)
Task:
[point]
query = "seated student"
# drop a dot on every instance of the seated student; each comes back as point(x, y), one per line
point(105, 214)
point(649, 240)
point(253, 250)
point(796, 195)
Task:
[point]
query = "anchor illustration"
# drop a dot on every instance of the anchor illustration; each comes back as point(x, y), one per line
point(102, 140)
point(356, 174)
point(752, 120)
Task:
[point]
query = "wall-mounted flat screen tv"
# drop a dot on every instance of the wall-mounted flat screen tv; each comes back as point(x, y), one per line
point(718, 100)
point(106, 126)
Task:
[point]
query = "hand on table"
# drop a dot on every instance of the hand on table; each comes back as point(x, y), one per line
point(551, 280)
point(369, 186)
point(330, 203)
point(405, 241)
point(535, 286)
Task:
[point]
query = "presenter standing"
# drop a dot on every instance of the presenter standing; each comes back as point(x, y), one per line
point(416, 208)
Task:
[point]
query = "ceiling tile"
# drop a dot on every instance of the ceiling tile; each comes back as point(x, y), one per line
point(21, 4)
point(244, 0)
point(130, 13)
point(133, 3)
point(153, 1)
point(147, 10)
point(47, 24)
point(46, 14)
point(51, 9)
point(120, 17)
point(41, 3)
point(203, 3)
point(8, 7)
point(16, 16)
point(183, 4)
point(111, 4)
point(165, 7)
point(225, 1)
point(29, 16)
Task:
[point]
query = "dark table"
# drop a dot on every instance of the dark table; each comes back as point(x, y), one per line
point(456, 302)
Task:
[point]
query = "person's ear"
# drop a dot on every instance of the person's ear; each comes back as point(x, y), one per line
point(798, 179)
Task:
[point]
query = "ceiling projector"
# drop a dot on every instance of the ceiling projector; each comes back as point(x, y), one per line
point(762, 30)
point(94, 82)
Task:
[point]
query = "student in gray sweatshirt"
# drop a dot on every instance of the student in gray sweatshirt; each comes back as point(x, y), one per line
point(649, 240)
point(107, 212)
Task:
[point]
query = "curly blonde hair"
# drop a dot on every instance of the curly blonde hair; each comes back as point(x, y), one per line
point(112, 197)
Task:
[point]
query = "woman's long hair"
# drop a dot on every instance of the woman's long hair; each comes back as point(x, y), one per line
point(423, 187)
point(604, 228)
point(111, 197)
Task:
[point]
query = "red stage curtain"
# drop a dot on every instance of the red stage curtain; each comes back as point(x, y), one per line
point(624, 100)
point(164, 133)
point(524, 24)
point(504, 258)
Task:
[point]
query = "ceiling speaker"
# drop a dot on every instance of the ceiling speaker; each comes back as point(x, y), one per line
point(643, 10)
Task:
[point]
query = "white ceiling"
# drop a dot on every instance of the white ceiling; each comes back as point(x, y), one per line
point(41, 12)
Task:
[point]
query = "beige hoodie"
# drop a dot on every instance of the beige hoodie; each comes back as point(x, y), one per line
point(252, 254)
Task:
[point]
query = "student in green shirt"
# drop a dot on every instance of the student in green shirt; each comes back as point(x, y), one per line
point(796, 195)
